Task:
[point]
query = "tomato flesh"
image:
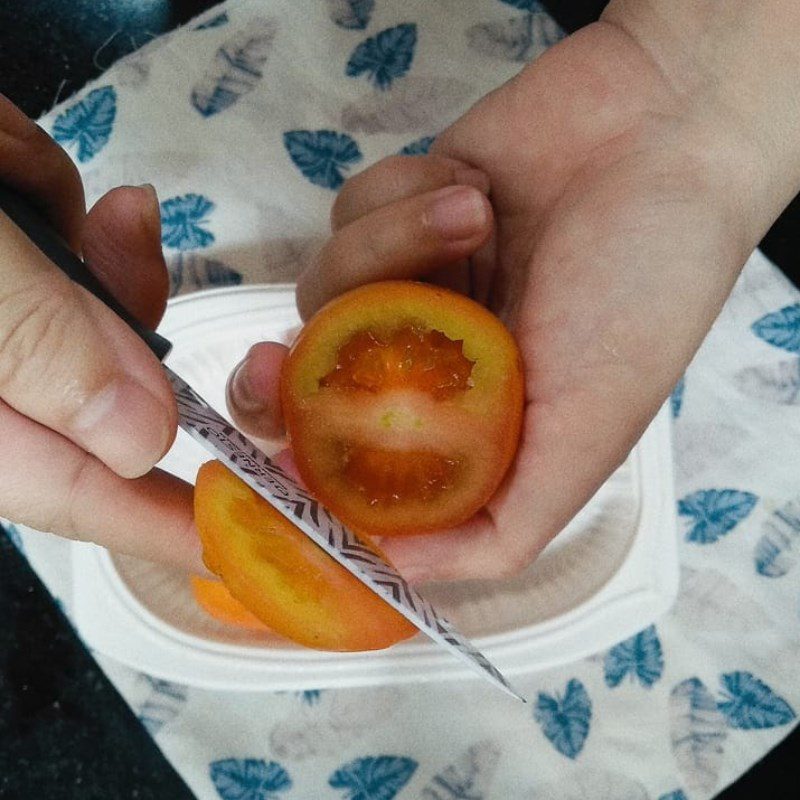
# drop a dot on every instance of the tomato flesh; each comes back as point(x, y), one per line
point(281, 576)
point(409, 357)
point(384, 476)
point(403, 405)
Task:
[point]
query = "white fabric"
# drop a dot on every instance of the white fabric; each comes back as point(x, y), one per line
point(684, 707)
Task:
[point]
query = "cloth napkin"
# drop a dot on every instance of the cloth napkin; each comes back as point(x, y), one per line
point(247, 121)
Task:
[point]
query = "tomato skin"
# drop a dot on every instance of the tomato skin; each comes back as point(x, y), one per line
point(473, 432)
point(285, 580)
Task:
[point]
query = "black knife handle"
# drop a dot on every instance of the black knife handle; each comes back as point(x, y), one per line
point(41, 233)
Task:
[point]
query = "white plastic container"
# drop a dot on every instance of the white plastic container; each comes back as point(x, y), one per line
point(610, 573)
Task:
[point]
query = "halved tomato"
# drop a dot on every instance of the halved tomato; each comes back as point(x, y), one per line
point(272, 568)
point(403, 405)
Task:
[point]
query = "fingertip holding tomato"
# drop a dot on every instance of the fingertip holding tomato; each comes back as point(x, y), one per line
point(279, 575)
point(403, 405)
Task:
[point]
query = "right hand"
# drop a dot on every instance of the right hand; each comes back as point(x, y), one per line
point(85, 408)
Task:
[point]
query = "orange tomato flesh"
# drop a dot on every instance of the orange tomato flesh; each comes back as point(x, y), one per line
point(215, 599)
point(403, 404)
point(285, 580)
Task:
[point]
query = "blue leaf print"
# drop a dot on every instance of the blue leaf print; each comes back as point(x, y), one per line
point(777, 383)
point(697, 733)
point(236, 68)
point(192, 271)
point(322, 155)
point(519, 39)
point(525, 5)
point(14, 536)
point(386, 56)
point(468, 778)
point(162, 703)
point(373, 777)
point(676, 795)
point(418, 148)
point(780, 328)
point(215, 22)
point(351, 14)
point(249, 779)
point(715, 512)
point(182, 220)
point(88, 123)
point(640, 657)
point(310, 697)
point(676, 398)
point(749, 704)
point(776, 552)
point(565, 721)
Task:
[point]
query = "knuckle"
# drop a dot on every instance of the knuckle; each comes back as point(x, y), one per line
point(35, 323)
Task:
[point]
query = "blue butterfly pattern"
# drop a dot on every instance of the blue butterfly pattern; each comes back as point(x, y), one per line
point(640, 657)
point(163, 703)
point(183, 220)
point(777, 550)
point(565, 720)
point(676, 795)
point(88, 123)
point(310, 697)
point(386, 56)
point(418, 148)
point(780, 328)
point(749, 704)
point(373, 777)
point(715, 512)
point(236, 70)
point(249, 779)
point(322, 156)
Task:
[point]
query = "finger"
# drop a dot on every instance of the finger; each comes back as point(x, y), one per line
point(398, 177)
point(253, 391)
point(32, 163)
point(122, 246)
point(49, 483)
point(403, 240)
point(71, 364)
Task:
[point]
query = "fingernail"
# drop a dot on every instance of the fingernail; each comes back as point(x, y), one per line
point(241, 392)
point(151, 210)
point(473, 177)
point(125, 426)
point(13, 121)
point(458, 212)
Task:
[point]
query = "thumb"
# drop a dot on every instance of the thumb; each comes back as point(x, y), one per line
point(67, 362)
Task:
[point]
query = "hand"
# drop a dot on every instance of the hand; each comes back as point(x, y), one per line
point(624, 208)
point(85, 408)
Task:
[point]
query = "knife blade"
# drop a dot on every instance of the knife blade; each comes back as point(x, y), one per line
point(257, 470)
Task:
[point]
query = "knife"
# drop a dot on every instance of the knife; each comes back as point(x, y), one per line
point(243, 458)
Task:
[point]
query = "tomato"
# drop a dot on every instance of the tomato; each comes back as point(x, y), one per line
point(289, 583)
point(214, 598)
point(403, 406)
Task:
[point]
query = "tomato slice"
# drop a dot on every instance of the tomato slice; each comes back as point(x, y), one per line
point(403, 405)
point(215, 599)
point(276, 572)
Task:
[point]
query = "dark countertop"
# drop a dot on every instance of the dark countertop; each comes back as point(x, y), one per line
point(65, 732)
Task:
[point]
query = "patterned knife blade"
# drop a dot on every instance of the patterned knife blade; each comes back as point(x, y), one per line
point(243, 458)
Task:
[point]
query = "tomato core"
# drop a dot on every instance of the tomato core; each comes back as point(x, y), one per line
point(408, 357)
